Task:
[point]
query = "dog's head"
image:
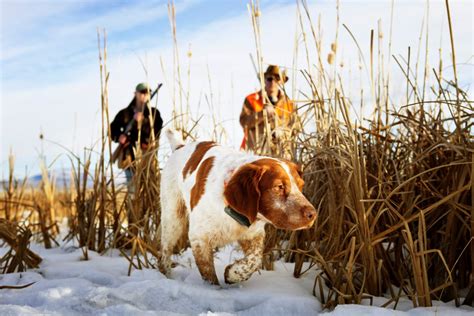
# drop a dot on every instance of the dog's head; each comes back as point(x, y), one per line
point(272, 188)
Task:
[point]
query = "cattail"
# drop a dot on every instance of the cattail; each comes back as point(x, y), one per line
point(380, 29)
point(333, 47)
point(190, 52)
point(258, 13)
point(330, 58)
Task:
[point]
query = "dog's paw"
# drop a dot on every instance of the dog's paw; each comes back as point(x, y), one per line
point(165, 267)
point(235, 274)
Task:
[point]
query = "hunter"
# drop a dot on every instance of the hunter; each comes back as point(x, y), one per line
point(279, 110)
point(132, 121)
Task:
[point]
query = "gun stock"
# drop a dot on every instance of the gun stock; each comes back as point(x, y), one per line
point(116, 153)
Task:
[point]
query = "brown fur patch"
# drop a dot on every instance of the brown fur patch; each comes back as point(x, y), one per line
point(205, 263)
point(181, 214)
point(296, 173)
point(181, 209)
point(242, 192)
point(196, 157)
point(201, 177)
point(275, 173)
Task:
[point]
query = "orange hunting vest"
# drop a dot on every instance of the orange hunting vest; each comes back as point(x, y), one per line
point(283, 109)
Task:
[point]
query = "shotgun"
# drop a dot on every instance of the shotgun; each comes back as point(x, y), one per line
point(128, 128)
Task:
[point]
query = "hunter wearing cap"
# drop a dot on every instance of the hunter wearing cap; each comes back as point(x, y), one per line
point(133, 121)
point(279, 109)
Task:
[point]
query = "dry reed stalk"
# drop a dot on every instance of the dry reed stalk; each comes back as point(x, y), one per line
point(19, 257)
point(254, 10)
point(13, 196)
point(44, 202)
point(176, 69)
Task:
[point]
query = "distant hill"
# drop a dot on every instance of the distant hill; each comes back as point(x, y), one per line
point(62, 178)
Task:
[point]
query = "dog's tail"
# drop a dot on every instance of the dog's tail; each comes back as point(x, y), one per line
point(175, 139)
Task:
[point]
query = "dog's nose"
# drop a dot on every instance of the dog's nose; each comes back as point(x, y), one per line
point(309, 212)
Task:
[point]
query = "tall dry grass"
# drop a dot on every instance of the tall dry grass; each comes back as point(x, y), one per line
point(394, 195)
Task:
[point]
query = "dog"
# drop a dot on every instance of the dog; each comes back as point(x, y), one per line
point(216, 195)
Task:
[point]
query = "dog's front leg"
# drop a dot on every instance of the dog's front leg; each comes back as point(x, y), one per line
point(203, 254)
point(242, 269)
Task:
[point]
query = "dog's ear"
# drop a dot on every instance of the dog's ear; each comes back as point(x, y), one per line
point(242, 192)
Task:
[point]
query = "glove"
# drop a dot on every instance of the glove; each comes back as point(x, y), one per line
point(270, 110)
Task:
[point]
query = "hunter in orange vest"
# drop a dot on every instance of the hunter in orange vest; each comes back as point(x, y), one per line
point(278, 107)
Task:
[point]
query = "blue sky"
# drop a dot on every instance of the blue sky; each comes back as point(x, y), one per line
point(49, 59)
point(51, 45)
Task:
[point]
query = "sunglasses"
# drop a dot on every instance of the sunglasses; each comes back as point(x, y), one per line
point(144, 91)
point(270, 79)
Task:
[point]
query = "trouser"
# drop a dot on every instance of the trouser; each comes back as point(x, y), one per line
point(130, 183)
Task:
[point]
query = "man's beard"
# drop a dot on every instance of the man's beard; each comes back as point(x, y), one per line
point(273, 98)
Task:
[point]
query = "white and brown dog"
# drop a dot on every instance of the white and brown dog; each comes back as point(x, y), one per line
point(217, 195)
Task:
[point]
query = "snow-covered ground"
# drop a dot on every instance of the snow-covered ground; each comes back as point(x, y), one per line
point(67, 285)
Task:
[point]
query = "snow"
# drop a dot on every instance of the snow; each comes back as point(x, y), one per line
point(67, 285)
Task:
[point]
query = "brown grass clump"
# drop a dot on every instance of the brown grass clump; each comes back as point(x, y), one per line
point(35, 208)
point(394, 209)
point(19, 257)
point(143, 212)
